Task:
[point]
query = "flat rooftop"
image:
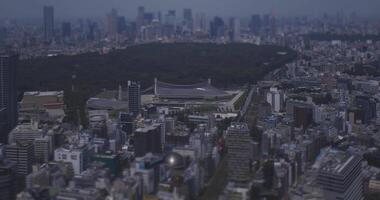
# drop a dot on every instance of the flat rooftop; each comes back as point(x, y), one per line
point(43, 94)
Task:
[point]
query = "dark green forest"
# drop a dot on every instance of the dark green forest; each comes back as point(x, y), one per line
point(228, 65)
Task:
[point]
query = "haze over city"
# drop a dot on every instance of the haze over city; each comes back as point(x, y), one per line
point(238, 8)
point(189, 100)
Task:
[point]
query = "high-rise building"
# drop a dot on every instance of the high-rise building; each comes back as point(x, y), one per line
point(23, 155)
point(217, 28)
point(238, 142)
point(234, 32)
point(170, 18)
point(41, 149)
point(8, 95)
point(147, 139)
point(134, 97)
point(112, 23)
point(276, 99)
point(340, 176)
point(188, 19)
point(121, 24)
point(255, 24)
point(48, 22)
point(140, 18)
point(200, 23)
point(66, 30)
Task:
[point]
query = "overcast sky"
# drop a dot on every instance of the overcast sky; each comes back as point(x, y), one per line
point(239, 8)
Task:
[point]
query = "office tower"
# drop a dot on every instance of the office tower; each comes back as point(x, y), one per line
point(41, 149)
point(8, 95)
point(255, 24)
point(200, 22)
point(148, 18)
point(23, 155)
point(7, 179)
point(276, 99)
point(234, 32)
point(340, 176)
point(140, 18)
point(134, 97)
point(188, 19)
point(112, 19)
point(170, 18)
point(48, 22)
point(147, 139)
point(25, 133)
point(238, 143)
point(159, 17)
point(121, 24)
point(217, 28)
point(66, 29)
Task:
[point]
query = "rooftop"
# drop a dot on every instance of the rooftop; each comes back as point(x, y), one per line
point(335, 161)
point(43, 94)
point(201, 90)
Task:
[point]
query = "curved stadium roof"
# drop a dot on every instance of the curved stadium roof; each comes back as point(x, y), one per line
point(202, 90)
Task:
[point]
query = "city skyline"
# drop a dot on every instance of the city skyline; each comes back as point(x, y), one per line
point(244, 8)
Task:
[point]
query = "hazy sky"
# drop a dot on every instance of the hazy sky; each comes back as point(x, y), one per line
point(242, 8)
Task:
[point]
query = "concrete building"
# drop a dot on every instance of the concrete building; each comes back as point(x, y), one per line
point(22, 155)
point(147, 139)
point(238, 143)
point(48, 22)
point(340, 176)
point(134, 97)
point(72, 155)
point(276, 99)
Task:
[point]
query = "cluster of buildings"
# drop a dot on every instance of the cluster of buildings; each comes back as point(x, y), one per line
point(115, 31)
point(309, 130)
point(130, 148)
point(313, 132)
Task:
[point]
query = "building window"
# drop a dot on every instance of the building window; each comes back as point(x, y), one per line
point(73, 157)
point(64, 156)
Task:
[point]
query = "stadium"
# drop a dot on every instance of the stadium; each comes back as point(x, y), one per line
point(198, 91)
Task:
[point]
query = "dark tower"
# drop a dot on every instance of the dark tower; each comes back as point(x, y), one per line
point(8, 95)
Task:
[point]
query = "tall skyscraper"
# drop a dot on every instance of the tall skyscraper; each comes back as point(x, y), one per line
point(234, 29)
point(188, 19)
point(200, 22)
point(112, 23)
point(134, 97)
point(255, 24)
point(217, 27)
point(8, 95)
point(140, 18)
point(66, 30)
point(170, 18)
point(48, 22)
point(238, 142)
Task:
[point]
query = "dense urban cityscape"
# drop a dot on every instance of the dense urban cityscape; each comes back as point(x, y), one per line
point(300, 120)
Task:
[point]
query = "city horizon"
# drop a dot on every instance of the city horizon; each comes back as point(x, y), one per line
point(97, 9)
